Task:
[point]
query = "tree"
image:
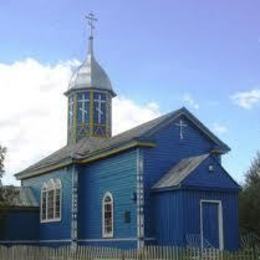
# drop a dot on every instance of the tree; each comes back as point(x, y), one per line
point(2, 200)
point(250, 199)
point(2, 158)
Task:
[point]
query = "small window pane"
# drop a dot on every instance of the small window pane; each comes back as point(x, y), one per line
point(58, 203)
point(51, 204)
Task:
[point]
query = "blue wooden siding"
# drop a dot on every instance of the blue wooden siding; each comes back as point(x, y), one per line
point(167, 218)
point(170, 149)
point(177, 214)
point(117, 175)
point(54, 230)
point(218, 179)
point(20, 225)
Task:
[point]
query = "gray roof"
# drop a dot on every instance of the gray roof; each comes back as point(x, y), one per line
point(179, 172)
point(90, 146)
point(90, 74)
point(19, 196)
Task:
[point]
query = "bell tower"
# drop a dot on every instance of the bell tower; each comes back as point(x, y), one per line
point(90, 96)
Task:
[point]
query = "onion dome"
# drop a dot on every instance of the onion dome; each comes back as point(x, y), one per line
point(90, 75)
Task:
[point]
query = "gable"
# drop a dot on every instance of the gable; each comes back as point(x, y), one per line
point(204, 177)
point(200, 172)
point(190, 125)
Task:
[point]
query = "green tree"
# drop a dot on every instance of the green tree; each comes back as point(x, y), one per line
point(2, 158)
point(2, 200)
point(250, 199)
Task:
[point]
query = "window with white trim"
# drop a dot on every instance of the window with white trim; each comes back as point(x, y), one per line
point(107, 215)
point(51, 201)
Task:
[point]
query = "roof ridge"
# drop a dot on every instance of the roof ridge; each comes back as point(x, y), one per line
point(145, 123)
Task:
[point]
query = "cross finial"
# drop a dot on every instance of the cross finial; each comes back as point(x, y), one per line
point(91, 22)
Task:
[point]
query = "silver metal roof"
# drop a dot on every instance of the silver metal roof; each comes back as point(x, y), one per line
point(90, 74)
point(19, 196)
point(180, 171)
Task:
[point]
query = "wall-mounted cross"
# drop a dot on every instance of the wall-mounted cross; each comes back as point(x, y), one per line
point(91, 22)
point(181, 125)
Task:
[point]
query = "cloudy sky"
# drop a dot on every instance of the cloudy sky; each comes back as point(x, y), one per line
point(160, 55)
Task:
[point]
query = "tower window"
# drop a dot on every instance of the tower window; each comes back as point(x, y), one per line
point(51, 201)
point(83, 108)
point(108, 215)
point(100, 108)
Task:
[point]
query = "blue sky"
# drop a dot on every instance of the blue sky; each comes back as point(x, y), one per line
point(201, 54)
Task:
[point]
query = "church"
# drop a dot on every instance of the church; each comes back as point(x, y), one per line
point(160, 183)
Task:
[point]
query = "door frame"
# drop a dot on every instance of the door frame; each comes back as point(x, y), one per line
point(220, 222)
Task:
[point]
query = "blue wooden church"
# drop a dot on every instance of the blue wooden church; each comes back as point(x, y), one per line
point(161, 183)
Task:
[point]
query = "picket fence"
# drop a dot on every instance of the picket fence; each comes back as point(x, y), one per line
point(152, 252)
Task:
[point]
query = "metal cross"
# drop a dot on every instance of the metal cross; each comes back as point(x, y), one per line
point(99, 107)
point(91, 20)
point(83, 107)
point(182, 126)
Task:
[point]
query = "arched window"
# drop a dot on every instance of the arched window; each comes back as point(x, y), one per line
point(107, 212)
point(51, 201)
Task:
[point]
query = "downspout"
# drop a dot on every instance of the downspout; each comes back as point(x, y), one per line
point(140, 198)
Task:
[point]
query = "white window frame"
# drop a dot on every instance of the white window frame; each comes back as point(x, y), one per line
point(104, 233)
point(220, 222)
point(44, 189)
point(51, 185)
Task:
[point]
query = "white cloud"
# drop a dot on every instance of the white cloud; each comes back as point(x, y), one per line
point(127, 114)
point(33, 111)
point(187, 99)
point(219, 129)
point(247, 99)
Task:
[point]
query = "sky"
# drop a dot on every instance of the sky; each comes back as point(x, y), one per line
point(159, 55)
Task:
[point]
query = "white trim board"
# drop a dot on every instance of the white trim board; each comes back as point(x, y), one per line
point(108, 239)
point(33, 241)
point(220, 222)
point(69, 240)
point(114, 239)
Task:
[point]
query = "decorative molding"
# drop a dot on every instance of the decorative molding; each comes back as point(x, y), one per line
point(140, 199)
point(74, 207)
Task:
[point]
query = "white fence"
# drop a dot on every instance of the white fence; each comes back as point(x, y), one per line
point(152, 252)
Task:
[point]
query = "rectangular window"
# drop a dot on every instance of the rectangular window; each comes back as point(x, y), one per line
point(58, 204)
